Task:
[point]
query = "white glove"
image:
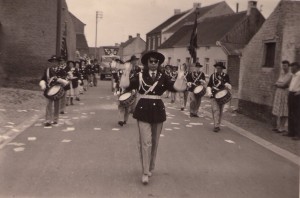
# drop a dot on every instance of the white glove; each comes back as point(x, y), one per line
point(208, 91)
point(228, 86)
point(189, 84)
point(42, 85)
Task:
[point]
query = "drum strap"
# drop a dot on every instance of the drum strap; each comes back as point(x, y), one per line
point(151, 88)
point(198, 77)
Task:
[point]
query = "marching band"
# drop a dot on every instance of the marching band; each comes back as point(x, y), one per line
point(139, 92)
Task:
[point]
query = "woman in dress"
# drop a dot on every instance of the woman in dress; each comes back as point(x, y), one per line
point(280, 105)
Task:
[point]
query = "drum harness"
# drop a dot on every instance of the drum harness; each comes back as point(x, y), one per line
point(197, 78)
point(215, 78)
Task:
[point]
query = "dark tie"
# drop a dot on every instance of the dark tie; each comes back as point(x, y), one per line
point(153, 75)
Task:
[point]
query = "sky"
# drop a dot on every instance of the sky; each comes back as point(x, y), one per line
point(122, 18)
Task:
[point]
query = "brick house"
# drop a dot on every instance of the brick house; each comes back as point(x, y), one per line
point(277, 40)
point(28, 39)
point(165, 30)
point(220, 39)
point(133, 46)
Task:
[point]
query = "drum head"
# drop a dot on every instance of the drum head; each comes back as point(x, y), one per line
point(198, 89)
point(124, 96)
point(53, 90)
point(221, 94)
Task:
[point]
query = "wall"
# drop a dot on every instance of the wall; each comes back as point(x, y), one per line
point(135, 48)
point(28, 39)
point(214, 54)
point(256, 89)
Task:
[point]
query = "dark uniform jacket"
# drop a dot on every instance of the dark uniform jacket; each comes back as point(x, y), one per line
point(151, 110)
point(194, 78)
point(217, 82)
point(48, 74)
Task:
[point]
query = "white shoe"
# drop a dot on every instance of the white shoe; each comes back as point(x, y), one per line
point(145, 179)
point(149, 174)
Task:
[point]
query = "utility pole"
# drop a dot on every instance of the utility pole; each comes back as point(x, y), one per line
point(58, 28)
point(99, 15)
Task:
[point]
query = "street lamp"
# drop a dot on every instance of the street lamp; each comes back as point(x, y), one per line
point(99, 15)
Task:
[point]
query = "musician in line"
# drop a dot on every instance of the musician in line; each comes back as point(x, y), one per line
point(124, 111)
point(96, 71)
point(217, 81)
point(73, 77)
point(150, 111)
point(79, 89)
point(183, 95)
point(84, 70)
point(167, 70)
point(62, 73)
point(173, 75)
point(49, 79)
point(195, 79)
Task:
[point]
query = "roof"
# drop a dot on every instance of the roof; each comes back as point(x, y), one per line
point(126, 43)
point(81, 41)
point(74, 17)
point(209, 31)
point(191, 17)
point(169, 21)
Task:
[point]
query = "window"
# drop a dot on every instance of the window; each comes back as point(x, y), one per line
point(149, 43)
point(169, 60)
point(158, 41)
point(188, 60)
point(269, 54)
point(153, 43)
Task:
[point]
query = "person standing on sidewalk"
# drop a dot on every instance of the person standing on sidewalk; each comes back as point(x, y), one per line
point(195, 78)
point(280, 105)
point(50, 77)
point(150, 111)
point(294, 103)
point(217, 81)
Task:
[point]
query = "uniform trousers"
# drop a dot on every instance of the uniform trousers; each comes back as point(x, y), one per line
point(173, 97)
point(217, 112)
point(149, 134)
point(195, 103)
point(50, 114)
point(183, 98)
point(294, 114)
point(124, 113)
point(95, 81)
point(62, 103)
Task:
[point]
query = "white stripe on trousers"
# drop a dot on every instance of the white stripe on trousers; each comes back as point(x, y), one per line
point(149, 134)
point(217, 112)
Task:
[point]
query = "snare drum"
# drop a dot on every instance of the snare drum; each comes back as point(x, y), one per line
point(55, 92)
point(223, 96)
point(199, 91)
point(127, 99)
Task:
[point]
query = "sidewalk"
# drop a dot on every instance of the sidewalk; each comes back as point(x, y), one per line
point(258, 128)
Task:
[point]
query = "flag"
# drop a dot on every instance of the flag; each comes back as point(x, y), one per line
point(64, 49)
point(193, 41)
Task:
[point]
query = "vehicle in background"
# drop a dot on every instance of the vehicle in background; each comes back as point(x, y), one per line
point(105, 66)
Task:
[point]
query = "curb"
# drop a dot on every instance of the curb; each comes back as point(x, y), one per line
point(13, 133)
point(262, 142)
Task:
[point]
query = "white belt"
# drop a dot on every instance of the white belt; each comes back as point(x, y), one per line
point(149, 96)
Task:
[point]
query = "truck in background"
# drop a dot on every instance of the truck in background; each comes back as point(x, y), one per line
point(105, 66)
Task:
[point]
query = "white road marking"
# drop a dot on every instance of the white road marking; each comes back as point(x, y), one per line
point(196, 123)
point(168, 129)
point(230, 141)
point(66, 141)
point(115, 129)
point(31, 138)
point(19, 149)
point(16, 144)
point(97, 129)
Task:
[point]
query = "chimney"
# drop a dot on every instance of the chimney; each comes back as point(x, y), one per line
point(129, 37)
point(251, 5)
point(138, 35)
point(237, 7)
point(197, 5)
point(177, 11)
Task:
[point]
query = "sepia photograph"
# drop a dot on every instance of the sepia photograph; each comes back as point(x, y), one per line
point(149, 99)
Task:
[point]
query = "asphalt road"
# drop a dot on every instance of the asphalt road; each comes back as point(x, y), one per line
point(89, 155)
